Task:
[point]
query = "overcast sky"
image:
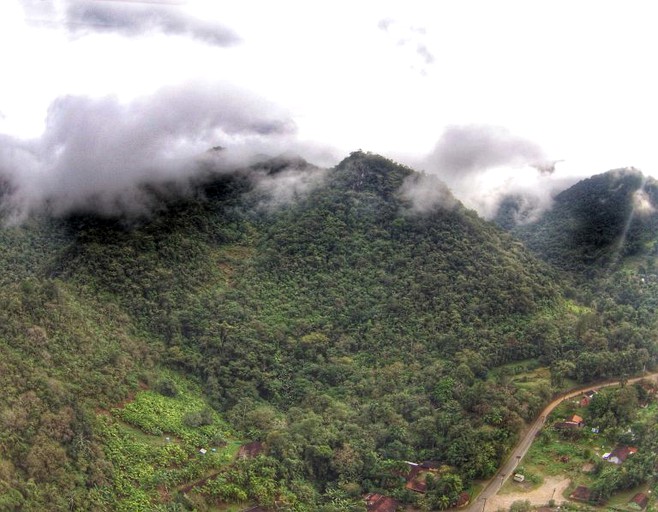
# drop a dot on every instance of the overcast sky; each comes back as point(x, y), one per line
point(523, 83)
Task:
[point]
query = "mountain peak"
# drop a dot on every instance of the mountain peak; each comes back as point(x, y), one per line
point(369, 172)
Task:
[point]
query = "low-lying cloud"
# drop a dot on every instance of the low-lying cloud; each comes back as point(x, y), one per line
point(482, 164)
point(425, 193)
point(284, 180)
point(96, 153)
point(468, 149)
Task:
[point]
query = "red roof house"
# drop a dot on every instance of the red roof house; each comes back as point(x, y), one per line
point(620, 454)
point(379, 503)
point(639, 501)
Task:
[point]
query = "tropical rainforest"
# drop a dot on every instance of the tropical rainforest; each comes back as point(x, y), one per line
point(236, 346)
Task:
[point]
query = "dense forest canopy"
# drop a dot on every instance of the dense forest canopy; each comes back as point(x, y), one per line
point(596, 223)
point(355, 324)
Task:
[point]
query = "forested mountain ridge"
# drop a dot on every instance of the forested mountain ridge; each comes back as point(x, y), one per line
point(349, 327)
point(597, 222)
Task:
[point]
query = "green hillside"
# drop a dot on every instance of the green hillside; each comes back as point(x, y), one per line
point(348, 328)
point(598, 222)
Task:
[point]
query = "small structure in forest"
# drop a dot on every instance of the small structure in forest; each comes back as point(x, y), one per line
point(620, 454)
point(581, 493)
point(639, 501)
point(380, 503)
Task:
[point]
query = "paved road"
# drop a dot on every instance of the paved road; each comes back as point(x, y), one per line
point(493, 486)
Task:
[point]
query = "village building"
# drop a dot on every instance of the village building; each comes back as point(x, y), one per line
point(417, 476)
point(620, 454)
point(416, 479)
point(639, 501)
point(581, 493)
point(380, 503)
point(574, 422)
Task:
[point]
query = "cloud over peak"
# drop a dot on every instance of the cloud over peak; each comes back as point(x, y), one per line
point(465, 149)
point(95, 153)
point(483, 164)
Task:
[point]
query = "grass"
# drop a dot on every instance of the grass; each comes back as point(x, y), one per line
point(526, 374)
point(153, 443)
point(619, 501)
point(552, 456)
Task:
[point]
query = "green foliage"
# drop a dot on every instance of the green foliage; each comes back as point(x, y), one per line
point(145, 460)
point(185, 416)
point(596, 222)
point(347, 331)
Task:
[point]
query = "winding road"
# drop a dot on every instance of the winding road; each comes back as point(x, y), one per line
point(493, 486)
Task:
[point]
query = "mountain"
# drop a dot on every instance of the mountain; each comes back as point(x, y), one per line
point(594, 224)
point(339, 322)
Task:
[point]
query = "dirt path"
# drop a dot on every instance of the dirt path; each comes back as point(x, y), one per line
point(552, 488)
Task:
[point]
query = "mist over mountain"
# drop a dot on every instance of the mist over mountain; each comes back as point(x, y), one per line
point(600, 220)
point(344, 320)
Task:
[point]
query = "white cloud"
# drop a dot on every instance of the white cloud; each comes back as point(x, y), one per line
point(97, 153)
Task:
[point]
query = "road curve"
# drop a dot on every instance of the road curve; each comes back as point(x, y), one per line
point(493, 486)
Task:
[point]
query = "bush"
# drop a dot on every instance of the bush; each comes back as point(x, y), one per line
point(166, 387)
point(198, 418)
point(521, 506)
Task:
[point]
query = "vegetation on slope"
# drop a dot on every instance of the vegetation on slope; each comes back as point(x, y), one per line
point(348, 330)
point(597, 222)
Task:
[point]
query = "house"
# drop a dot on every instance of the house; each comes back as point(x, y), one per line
point(416, 479)
point(574, 422)
point(379, 503)
point(581, 493)
point(463, 499)
point(587, 398)
point(620, 454)
point(251, 450)
point(418, 474)
point(639, 501)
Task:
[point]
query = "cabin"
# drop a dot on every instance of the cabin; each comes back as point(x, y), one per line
point(380, 503)
point(581, 493)
point(417, 475)
point(587, 398)
point(463, 499)
point(639, 501)
point(416, 479)
point(620, 454)
point(575, 422)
